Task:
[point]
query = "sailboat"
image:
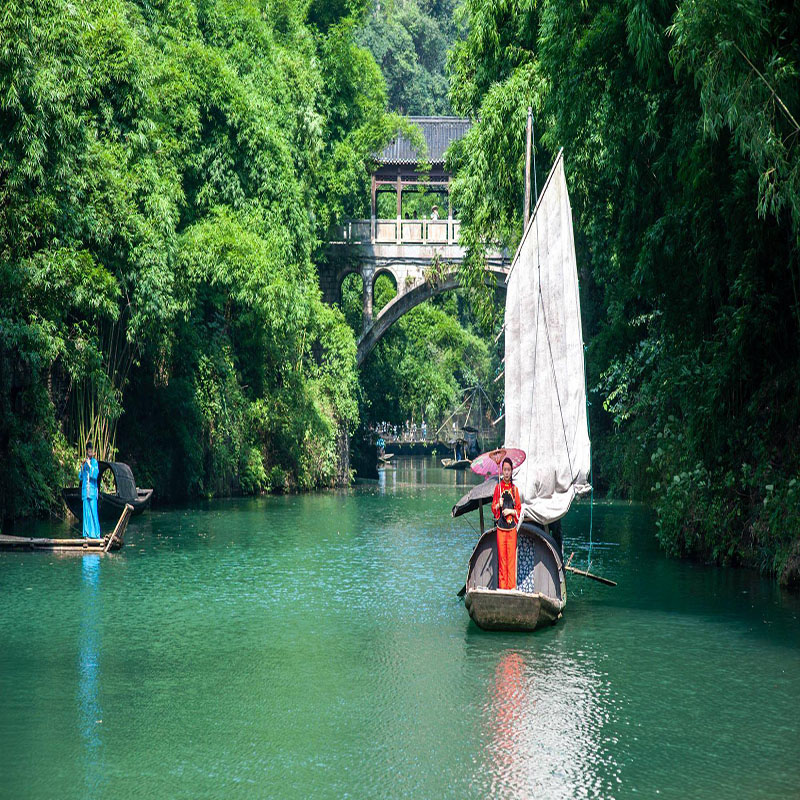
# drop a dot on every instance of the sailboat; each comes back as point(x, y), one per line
point(545, 395)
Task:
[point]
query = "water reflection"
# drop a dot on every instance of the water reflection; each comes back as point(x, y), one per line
point(90, 713)
point(420, 472)
point(543, 724)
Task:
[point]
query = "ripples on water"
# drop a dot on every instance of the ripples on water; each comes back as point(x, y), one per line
point(312, 646)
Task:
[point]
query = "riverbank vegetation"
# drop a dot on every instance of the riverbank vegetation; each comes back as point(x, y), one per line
point(679, 124)
point(168, 173)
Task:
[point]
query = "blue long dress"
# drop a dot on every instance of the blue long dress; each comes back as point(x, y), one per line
point(88, 478)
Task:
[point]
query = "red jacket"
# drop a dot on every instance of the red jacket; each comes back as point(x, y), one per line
point(497, 502)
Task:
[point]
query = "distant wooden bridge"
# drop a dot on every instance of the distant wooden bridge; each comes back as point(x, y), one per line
point(421, 255)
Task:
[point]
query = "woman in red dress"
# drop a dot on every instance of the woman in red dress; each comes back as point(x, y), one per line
point(506, 507)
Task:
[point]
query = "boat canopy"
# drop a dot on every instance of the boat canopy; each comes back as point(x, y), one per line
point(123, 478)
point(475, 497)
point(545, 390)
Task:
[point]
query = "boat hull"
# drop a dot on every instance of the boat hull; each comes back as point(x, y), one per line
point(109, 506)
point(450, 463)
point(511, 610)
point(541, 594)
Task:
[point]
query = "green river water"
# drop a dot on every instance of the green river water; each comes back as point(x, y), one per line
point(313, 646)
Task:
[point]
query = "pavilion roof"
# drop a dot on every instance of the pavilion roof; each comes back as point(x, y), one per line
point(439, 132)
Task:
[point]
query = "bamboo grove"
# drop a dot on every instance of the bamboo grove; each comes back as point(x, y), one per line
point(679, 125)
point(168, 174)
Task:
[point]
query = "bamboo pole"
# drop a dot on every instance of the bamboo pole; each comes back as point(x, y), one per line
point(598, 578)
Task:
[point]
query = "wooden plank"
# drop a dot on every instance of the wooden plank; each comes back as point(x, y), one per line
point(119, 531)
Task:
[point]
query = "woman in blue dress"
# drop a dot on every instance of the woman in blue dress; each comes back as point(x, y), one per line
point(88, 478)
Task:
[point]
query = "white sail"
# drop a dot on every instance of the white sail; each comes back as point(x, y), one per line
point(544, 370)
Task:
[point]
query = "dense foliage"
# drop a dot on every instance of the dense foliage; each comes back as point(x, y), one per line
point(679, 124)
point(167, 174)
point(421, 368)
point(410, 40)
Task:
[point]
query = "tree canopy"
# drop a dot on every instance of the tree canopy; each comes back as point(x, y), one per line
point(409, 40)
point(169, 174)
point(679, 125)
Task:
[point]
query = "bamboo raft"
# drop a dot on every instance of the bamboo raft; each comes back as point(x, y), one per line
point(114, 541)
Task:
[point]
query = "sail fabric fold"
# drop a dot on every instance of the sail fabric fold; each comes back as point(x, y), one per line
point(545, 390)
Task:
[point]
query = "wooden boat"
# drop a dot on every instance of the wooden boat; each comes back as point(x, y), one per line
point(541, 593)
point(385, 458)
point(110, 506)
point(452, 463)
point(545, 415)
point(459, 459)
point(107, 544)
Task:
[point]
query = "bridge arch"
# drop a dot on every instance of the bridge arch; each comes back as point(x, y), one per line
point(389, 272)
point(403, 302)
point(342, 276)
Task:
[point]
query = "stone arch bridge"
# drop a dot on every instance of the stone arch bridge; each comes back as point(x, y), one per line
point(412, 233)
point(420, 271)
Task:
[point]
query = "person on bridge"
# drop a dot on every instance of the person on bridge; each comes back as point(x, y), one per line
point(506, 507)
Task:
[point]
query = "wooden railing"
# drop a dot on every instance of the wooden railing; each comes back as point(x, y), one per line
point(399, 231)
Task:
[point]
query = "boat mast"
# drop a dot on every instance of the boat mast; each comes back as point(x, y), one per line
point(527, 201)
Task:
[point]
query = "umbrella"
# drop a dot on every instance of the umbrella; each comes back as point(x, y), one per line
point(489, 463)
point(475, 497)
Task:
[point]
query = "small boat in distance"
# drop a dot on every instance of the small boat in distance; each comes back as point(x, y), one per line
point(452, 463)
point(110, 506)
point(459, 459)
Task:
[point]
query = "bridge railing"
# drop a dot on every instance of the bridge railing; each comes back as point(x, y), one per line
point(398, 231)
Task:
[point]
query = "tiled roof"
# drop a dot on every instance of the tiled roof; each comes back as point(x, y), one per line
point(439, 132)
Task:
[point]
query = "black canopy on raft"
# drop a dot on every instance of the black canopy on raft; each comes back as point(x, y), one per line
point(475, 497)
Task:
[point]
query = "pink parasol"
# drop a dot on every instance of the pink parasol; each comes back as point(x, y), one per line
point(489, 463)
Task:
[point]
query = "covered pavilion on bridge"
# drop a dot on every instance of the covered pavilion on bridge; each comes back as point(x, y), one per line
point(429, 217)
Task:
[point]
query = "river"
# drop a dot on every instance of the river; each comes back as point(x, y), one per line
point(313, 646)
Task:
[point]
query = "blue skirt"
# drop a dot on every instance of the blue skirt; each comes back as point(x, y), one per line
point(91, 524)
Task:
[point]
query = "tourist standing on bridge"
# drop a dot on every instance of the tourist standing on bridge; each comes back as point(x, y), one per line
point(506, 507)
